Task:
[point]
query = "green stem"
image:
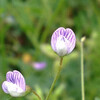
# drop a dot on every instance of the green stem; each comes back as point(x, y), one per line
point(54, 82)
point(82, 71)
point(30, 89)
point(36, 94)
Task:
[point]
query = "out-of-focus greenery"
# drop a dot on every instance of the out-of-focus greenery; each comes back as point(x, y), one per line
point(26, 27)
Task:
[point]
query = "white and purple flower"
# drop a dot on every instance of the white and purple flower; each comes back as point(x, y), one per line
point(14, 84)
point(63, 41)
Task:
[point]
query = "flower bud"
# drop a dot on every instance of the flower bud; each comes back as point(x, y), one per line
point(63, 41)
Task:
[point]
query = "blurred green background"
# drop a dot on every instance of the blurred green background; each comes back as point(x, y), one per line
point(26, 27)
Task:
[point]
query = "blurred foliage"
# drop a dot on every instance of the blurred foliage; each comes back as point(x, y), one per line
point(26, 27)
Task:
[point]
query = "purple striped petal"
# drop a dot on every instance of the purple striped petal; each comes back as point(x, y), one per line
point(54, 37)
point(17, 78)
point(4, 87)
point(63, 41)
point(9, 77)
point(71, 37)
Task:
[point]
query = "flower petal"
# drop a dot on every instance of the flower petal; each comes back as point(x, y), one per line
point(12, 89)
point(71, 38)
point(62, 46)
point(5, 87)
point(16, 78)
point(9, 77)
point(56, 34)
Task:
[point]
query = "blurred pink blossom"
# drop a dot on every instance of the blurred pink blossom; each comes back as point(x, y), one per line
point(39, 65)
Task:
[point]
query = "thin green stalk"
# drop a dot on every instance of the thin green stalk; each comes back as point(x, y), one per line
point(82, 70)
point(54, 82)
point(31, 90)
point(36, 94)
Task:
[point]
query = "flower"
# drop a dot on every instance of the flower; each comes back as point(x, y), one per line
point(14, 84)
point(39, 65)
point(63, 41)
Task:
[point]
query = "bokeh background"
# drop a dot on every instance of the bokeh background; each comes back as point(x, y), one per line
point(26, 27)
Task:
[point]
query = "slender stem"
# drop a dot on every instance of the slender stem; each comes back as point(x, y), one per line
point(34, 92)
point(54, 82)
point(82, 72)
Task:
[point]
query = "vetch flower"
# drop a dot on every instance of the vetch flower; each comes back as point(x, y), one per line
point(63, 41)
point(39, 65)
point(14, 84)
